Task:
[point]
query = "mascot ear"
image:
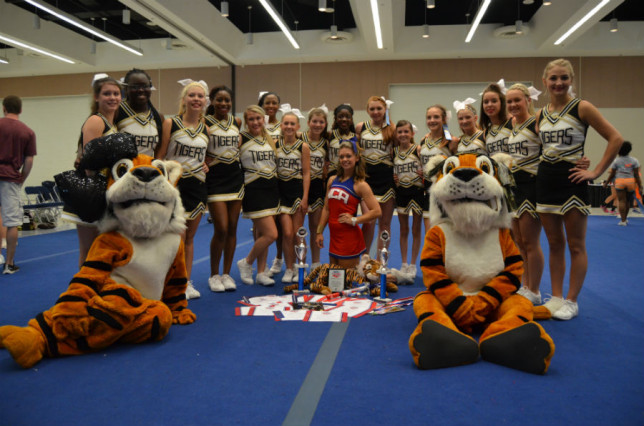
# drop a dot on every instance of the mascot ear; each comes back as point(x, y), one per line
point(503, 163)
point(174, 170)
point(433, 167)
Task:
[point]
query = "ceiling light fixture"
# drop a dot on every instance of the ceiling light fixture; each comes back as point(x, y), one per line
point(477, 20)
point(224, 9)
point(36, 22)
point(82, 25)
point(4, 61)
point(425, 31)
point(431, 4)
point(322, 5)
point(613, 25)
point(518, 24)
point(334, 28)
point(547, 2)
point(280, 22)
point(528, 1)
point(127, 15)
point(249, 35)
point(581, 22)
point(376, 23)
point(17, 43)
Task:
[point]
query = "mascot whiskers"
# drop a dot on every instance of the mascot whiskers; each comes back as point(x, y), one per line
point(472, 270)
point(131, 287)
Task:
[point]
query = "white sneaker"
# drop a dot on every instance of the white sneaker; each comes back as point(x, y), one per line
point(288, 276)
point(535, 298)
point(568, 311)
point(296, 275)
point(412, 271)
point(623, 223)
point(1, 259)
point(264, 279)
point(404, 268)
point(191, 291)
point(553, 304)
point(276, 267)
point(228, 282)
point(245, 271)
point(215, 284)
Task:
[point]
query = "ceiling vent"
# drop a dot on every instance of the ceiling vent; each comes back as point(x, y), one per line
point(175, 44)
point(510, 31)
point(341, 37)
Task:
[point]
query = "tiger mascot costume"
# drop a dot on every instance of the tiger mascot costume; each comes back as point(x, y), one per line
point(472, 270)
point(131, 287)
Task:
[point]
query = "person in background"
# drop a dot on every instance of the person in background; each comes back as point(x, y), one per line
point(17, 151)
point(562, 185)
point(225, 182)
point(106, 100)
point(472, 138)
point(410, 193)
point(185, 140)
point(625, 170)
point(345, 192)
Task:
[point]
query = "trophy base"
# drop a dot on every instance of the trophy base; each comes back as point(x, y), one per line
point(382, 299)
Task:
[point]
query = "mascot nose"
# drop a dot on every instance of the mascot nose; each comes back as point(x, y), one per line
point(146, 174)
point(466, 174)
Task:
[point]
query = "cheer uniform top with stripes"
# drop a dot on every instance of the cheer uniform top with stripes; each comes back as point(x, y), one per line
point(68, 213)
point(377, 155)
point(334, 148)
point(428, 148)
point(225, 178)
point(497, 136)
point(524, 146)
point(409, 189)
point(142, 125)
point(346, 240)
point(275, 130)
point(289, 173)
point(261, 192)
point(188, 146)
point(318, 152)
point(563, 135)
point(472, 144)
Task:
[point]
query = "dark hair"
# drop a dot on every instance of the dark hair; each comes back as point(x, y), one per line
point(262, 98)
point(211, 108)
point(13, 104)
point(337, 110)
point(484, 120)
point(155, 113)
point(625, 149)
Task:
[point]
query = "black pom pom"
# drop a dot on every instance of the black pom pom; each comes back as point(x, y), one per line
point(83, 195)
point(103, 152)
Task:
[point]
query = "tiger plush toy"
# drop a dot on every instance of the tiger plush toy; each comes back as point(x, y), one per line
point(472, 270)
point(131, 287)
point(317, 281)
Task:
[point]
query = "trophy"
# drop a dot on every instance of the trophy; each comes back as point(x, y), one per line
point(300, 253)
point(384, 258)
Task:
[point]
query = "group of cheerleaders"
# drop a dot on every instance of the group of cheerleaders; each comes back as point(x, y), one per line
point(276, 174)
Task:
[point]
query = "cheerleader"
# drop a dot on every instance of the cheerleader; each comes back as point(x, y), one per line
point(316, 138)
point(562, 190)
point(525, 148)
point(494, 119)
point(294, 174)
point(410, 197)
point(342, 130)
point(105, 105)
point(137, 116)
point(185, 140)
point(437, 142)
point(261, 193)
point(225, 184)
point(376, 138)
point(625, 171)
point(345, 192)
point(472, 139)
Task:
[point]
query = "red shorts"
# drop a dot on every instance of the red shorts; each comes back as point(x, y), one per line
point(346, 242)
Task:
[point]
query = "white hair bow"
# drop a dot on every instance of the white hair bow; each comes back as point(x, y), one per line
point(285, 108)
point(459, 105)
point(387, 102)
point(187, 81)
point(501, 84)
point(123, 83)
point(414, 128)
point(448, 116)
point(534, 93)
point(571, 93)
point(98, 77)
point(260, 95)
point(324, 108)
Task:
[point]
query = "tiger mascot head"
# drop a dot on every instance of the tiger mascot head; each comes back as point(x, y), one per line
point(124, 190)
point(471, 191)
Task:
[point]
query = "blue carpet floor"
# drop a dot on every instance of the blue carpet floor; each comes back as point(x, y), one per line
point(228, 370)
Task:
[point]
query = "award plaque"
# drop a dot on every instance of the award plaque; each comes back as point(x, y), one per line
point(336, 279)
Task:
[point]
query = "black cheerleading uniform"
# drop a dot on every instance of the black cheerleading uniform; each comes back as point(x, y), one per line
point(225, 177)
point(143, 126)
point(289, 174)
point(410, 190)
point(317, 187)
point(261, 192)
point(524, 147)
point(377, 155)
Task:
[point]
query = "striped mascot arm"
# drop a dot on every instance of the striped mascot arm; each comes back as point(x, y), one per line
point(448, 293)
point(174, 292)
